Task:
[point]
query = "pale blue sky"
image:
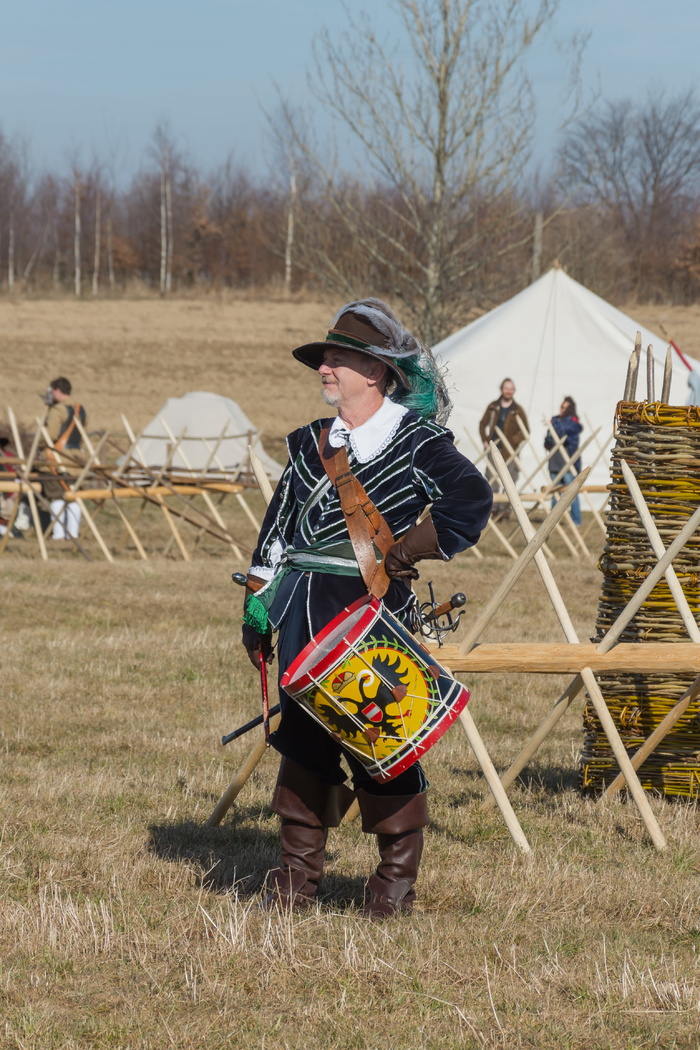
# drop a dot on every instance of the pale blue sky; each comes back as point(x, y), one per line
point(77, 75)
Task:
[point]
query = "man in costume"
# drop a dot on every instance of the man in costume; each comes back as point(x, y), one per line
point(64, 435)
point(388, 394)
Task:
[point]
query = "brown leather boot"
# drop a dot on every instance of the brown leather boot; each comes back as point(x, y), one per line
point(308, 807)
point(398, 822)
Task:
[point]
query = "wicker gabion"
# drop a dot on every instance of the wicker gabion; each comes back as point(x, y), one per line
point(661, 445)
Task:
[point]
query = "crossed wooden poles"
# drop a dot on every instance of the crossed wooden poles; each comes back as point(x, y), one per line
point(573, 538)
point(582, 659)
point(131, 479)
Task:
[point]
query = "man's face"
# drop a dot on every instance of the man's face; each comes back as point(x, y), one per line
point(508, 391)
point(344, 376)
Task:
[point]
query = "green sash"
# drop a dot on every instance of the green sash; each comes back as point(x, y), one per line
point(337, 558)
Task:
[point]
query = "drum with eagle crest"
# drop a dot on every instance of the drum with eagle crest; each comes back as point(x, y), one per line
point(375, 688)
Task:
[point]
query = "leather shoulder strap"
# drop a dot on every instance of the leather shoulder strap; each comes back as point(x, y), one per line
point(367, 527)
point(62, 441)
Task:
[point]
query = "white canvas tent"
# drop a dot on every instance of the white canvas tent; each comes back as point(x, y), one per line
point(217, 433)
point(555, 338)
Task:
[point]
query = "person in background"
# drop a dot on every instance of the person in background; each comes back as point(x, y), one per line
point(9, 501)
point(507, 416)
point(64, 436)
point(566, 425)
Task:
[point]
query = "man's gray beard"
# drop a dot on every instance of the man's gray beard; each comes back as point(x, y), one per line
point(331, 399)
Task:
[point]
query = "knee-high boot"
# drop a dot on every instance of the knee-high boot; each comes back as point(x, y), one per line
point(308, 807)
point(398, 822)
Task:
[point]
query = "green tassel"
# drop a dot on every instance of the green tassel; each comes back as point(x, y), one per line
point(255, 615)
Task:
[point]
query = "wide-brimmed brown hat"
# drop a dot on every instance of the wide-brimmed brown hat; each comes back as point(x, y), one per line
point(353, 331)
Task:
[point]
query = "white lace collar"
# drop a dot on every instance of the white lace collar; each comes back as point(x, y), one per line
point(372, 436)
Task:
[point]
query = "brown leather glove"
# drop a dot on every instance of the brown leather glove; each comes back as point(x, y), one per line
point(418, 544)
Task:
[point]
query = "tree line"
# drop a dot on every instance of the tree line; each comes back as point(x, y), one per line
point(438, 209)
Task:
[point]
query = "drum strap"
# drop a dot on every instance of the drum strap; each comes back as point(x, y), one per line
point(367, 527)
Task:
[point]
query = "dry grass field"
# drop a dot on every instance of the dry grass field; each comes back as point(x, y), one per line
point(130, 355)
point(125, 923)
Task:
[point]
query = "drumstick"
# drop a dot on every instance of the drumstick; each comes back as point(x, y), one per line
point(265, 697)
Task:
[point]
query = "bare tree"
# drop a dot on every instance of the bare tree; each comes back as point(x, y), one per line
point(640, 163)
point(289, 246)
point(14, 183)
point(77, 228)
point(440, 119)
point(98, 236)
point(163, 151)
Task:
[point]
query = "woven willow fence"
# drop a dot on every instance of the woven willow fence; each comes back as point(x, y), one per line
point(661, 445)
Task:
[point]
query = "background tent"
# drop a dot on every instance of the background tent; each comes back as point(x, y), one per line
point(555, 338)
point(203, 416)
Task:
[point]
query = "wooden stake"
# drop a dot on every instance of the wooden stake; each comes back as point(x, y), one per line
point(81, 503)
point(234, 789)
point(257, 752)
point(630, 393)
point(650, 375)
point(517, 570)
point(491, 524)
point(30, 492)
point(626, 768)
point(499, 795)
point(260, 475)
point(668, 375)
point(539, 736)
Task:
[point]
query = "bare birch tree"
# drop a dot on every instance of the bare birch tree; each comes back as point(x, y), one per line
point(14, 177)
point(289, 246)
point(440, 119)
point(77, 229)
point(163, 151)
point(98, 237)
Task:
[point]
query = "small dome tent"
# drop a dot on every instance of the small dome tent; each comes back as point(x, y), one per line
point(216, 430)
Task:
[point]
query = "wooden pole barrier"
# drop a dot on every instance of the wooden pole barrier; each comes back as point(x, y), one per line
point(491, 776)
point(205, 495)
point(586, 673)
point(604, 645)
point(623, 760)
point(526, 556)
point(30, 492)
point(679, 709)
